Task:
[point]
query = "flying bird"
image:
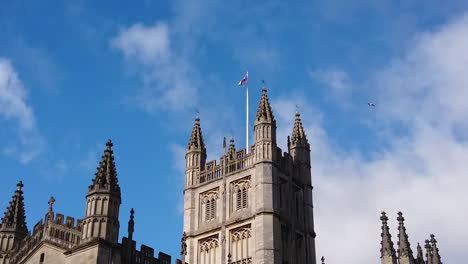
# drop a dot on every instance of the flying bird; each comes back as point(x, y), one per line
point(371, 104)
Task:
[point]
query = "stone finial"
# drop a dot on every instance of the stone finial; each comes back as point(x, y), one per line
point(404, 248)
point(323, 260)
point(429, 255)
point(51, 204)
point(264, 113)
point(298, 134)
point(131, 225)
point(106, 173)
point(387, 250)
point(224, 146)
point(196, 138)
point(420, 256)
point(232, 149)
point(19, 185)
point(435, 250)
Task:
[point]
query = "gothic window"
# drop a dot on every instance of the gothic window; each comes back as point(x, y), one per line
point(208, 253)
point(241, 199)
point(240, 191)
point(208, 205)
point(241, 245)
point(210, 209)
point(41, 259)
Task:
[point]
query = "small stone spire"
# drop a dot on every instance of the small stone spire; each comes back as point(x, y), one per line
point(264, 113)
point(405, 254)
point(420, 256)
point(323, 260)
point(106, 174)
point(232, 149)
point(131, 225)
point(224, 146)
point(298, 134)
point(429, 256)
point(387, 251)
point(15, 216)
point(435, 251)
point(196, 138)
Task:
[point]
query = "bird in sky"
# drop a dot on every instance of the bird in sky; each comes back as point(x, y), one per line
point(371, 104)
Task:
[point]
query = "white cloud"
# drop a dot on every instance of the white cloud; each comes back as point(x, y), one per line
point(168, 78)
point(146, 44)
point(338, 82)
point(13, 107)
point(423, 174)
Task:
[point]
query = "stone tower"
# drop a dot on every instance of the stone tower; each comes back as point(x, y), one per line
point(13, 226)
point(103, 202)
point(252, 207)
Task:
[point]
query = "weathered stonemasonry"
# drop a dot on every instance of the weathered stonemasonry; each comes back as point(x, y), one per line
point(89, 240)
point(252, 207)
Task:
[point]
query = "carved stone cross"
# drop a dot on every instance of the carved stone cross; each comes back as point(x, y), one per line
point(51, 203)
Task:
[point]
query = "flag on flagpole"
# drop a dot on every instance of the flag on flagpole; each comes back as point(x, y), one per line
point(244, 80)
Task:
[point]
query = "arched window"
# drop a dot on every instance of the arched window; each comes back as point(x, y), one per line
point(210, 209)
point(242, 198)
point(208, 251)
point(41, 259)
point(241, 245)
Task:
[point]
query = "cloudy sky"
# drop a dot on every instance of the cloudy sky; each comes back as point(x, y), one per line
point(75, 73)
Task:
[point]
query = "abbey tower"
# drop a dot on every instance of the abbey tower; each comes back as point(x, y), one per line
point(253, 207)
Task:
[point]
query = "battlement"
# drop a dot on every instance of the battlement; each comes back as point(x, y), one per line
point(144, 255)
point(52, 229)
point(240, 160)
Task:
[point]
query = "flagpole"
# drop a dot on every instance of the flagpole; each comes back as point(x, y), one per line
point(247, 117)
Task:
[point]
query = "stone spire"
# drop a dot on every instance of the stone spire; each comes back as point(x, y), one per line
point(15, 217)
point(131, 225)
point(405, 254)
point(323, 260)
point(265, 149)
point(196, 138)
point(429, 256)
point(106, 174)
point(298, 135)
point(435, 251)
point(232, 149)
point(420, 256)
point(387, 251)
point(195, 155)
point(264, 113)
point(103, 202)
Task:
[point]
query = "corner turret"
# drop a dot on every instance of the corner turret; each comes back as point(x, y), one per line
point(13, 227)
point(195, 156)
point(103, 202)
point(265, 131)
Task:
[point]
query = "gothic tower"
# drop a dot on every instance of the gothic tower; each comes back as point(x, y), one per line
point(387, 251)
point(103, 202)
point(405, 254)
point(251, 207)
point(13, 226)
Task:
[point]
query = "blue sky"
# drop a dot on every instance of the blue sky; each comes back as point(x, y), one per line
point(75, 73)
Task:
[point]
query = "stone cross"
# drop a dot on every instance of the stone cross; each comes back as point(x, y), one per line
point(51, 203)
